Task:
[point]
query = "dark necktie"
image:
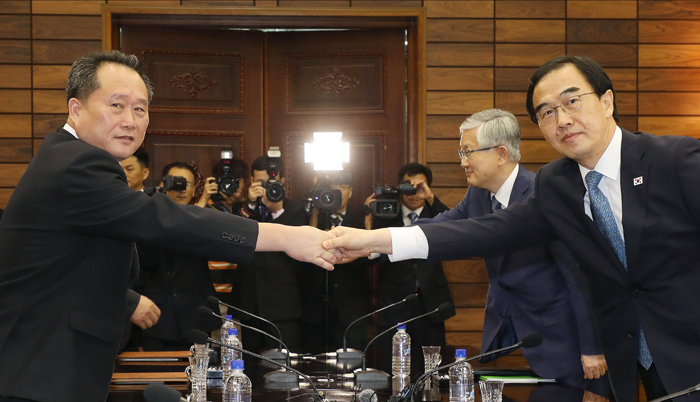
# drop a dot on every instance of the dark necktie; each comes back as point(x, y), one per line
point(336, 220)
point(413, 217)
point(265, 215)
point(495, 205)
point(605, 221)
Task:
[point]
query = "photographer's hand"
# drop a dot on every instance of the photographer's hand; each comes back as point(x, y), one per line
point(424, 192)
point(210, 188)
point(369, 218)
point(255, 191)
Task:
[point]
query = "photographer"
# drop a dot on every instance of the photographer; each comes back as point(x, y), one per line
point(178, 283)
point(268, 285)
point(427, 279)
point(230, 171)
point(331, 302)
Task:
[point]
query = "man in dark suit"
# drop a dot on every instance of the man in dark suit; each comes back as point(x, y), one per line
point(539, 289)
point(66, 239)
point(633, 225)
point(333, 300)
point(427, 279)
point(268, 285)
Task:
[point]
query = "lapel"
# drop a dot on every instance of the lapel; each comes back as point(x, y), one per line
point(573, 174)
point(634, 198)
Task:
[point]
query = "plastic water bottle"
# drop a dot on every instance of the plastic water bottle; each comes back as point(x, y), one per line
point(224, 328)
point(229, 355)
point(237, 387)
point(401, 353)
point(461, 379)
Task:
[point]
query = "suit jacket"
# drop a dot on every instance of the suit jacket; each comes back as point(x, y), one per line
point(661, 221)
point(269, 282)
point(66, 256)
point(178, 283)
point(398, 279)
point(541, 288)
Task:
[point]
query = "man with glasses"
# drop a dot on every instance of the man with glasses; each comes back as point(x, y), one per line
point(538, 289)
point(625, 204)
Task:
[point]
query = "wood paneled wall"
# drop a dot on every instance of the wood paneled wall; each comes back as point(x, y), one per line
point(480, 54)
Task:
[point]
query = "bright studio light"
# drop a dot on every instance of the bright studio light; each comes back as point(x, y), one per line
point(327, 152)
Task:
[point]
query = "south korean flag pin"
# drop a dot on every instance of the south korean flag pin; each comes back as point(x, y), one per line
point(638, 180)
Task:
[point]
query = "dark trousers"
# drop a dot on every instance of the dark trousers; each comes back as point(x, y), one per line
point(653, 386)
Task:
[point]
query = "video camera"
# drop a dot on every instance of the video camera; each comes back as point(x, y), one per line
point(387, 203)
point(174, 183)
point(228, 183)
point(274, 189)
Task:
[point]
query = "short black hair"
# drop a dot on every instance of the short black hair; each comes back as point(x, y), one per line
point(239, 168)
point(260, 164)
point(82, 78)
point(180, 165)
point(592, 71)
point(142, 157)
point(413, 169)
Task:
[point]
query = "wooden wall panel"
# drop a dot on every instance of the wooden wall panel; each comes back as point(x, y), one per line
point(73, 7)
point(626, 103)
point(443, 126)
point(459, 54)
point(669, 79)
point(15, 150)
point(386, 3)
point(265, 3)
point(623, 79)
point(21, 101)
point(16, 125)
point(458, 102)
point(467, 319)
point(14, 7)
point(513, 102)
point(668, 103)
point(448, 174)
point(50, 101)
point(513, 78)
point(62, 51)
point(466, 271)
point(313, 3)
point(669, 125)
point(669, 9)
point(601, 9)
point(450, 196)
point(66, 27)
point(542, 31)
point(468, 294)
point(527, 55)
point(470, 79)
point(15, 27)
point(459, 9)
point(50, 76)
point(15, 76)
point(669, 55)
point(601, 31)
point(531, 9)
point(664, 31)
point(11, 173)
point(460, 31)
point(43, 124)
point(607, 55)
point(15, 51)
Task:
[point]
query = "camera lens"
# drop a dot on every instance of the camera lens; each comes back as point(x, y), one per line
point(327, 198)
point(228, 186)
point(386, 207)
point(275, 192)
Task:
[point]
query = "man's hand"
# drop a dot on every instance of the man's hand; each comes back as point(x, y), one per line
point(369, 218)
point(210, 188)
point(594, 366)
point(355, 243)
point(424, 192)
point(146, 314)
point(255, 191)
point(303, 243)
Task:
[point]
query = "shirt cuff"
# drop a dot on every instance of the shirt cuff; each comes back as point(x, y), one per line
point(408, 243)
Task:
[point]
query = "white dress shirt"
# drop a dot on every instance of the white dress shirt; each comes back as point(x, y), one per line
point(70, 129)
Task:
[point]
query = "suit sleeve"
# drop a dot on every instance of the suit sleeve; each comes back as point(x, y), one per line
point(459, 212)
point(586, 321)
point(132, 301)
point(687, 168)
point(97, 201)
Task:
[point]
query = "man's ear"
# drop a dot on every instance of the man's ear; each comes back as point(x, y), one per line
point(145, 173)
point(608, 100)
point(502, 155)
point(74, 107)
point(282, 180)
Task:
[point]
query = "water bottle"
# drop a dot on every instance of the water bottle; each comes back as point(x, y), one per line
point(401, 353)
point(228, 355)
point(237, 387)
point(224, 328)
point(461, 379)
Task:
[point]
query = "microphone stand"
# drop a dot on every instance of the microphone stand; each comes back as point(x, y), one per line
point(693, 389)
point(346, 353)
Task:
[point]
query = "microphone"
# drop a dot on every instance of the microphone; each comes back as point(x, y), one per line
point(278, 354)
point(197, 336)
point(159, 392)
point(694, 388)
point(372, 375)
point(529, 341)
point(274, 376)
point(344, 353)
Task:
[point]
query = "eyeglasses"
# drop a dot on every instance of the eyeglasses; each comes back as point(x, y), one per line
point(468, 154)
point(570, 105)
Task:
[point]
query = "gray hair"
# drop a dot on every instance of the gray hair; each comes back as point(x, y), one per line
point(495, 127)
point(82, 78)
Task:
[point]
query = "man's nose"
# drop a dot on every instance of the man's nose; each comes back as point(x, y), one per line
point(464, 162)
point(129, 121)
point(563, 119)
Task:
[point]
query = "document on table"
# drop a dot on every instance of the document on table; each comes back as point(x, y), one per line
point(516, 379)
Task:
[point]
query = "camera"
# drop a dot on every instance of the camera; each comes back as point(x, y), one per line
point(174, 183)
point(274, 189)
point(227, 182)
point(387, 202)
point(323, 196)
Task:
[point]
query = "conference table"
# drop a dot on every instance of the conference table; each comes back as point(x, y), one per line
point(334, 378)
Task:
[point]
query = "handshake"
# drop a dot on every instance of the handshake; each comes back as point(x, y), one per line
point(325, 249)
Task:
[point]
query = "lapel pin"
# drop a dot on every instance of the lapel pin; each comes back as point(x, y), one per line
point(638, 180)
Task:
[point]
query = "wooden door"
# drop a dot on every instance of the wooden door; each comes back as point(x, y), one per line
point(208, 93)
point(352, 81)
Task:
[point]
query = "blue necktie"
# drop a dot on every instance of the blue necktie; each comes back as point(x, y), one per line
point(495, 205)
point(605, 221)
point(413, 217)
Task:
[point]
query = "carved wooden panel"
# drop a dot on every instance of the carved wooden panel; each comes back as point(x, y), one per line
point(337, 83)
point(195, 82)
point(202, 149)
